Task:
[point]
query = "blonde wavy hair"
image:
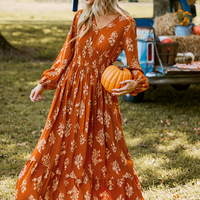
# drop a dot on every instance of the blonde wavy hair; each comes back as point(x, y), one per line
point(99, 8)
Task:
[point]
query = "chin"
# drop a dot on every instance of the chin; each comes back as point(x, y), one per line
point(89, 2)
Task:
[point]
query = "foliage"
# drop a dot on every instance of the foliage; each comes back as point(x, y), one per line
point(183, 17)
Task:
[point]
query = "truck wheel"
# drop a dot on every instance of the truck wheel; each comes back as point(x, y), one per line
point(180, 87)
point(134, 99)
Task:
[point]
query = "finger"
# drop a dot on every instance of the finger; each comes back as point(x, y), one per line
point(120, 89)
point(125, 82)
point(38, 97)
point(35, 95)
point(31, 95)
point(119, 93)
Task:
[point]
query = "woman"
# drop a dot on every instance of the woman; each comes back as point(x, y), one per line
point(82, 152)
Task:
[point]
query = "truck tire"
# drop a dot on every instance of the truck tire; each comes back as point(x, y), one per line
point(181, 87)
point(134, 99)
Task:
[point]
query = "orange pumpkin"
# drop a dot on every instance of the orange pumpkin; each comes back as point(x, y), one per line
point(112, 76)
point(196, 30)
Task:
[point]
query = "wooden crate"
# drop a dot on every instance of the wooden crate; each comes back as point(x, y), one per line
point(167, 53)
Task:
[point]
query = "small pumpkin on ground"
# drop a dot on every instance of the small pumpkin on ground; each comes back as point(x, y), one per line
point(196, 29)
point(112, 76)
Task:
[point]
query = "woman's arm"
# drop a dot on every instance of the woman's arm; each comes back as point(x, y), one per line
point(50, 78)
point(139, 82)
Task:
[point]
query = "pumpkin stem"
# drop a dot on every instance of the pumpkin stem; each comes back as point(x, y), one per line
point(121, 68)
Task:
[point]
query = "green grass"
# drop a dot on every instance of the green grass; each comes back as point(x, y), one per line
point(41, 40)
point(162, 133)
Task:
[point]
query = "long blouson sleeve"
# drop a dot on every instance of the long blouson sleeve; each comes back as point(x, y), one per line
point(50, 78)
point(131, 51)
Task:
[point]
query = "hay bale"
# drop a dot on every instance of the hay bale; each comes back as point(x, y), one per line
point(188, 44)
point(164, 25)
point(191, 2)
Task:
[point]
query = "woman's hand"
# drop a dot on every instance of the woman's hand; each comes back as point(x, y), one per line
point(36, 93)
point(128, 88)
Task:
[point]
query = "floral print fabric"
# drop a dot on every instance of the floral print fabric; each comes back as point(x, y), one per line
point(82, 154)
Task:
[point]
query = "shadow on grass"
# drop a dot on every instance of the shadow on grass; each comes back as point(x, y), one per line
point(162, 135)
point(39, 40)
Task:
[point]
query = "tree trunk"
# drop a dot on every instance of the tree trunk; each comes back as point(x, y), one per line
point(161, 7)
point(5, 45)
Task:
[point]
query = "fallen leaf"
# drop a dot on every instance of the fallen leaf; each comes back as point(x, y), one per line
point(168, 122)
point(173, 138)
point(181, 146)
point(142, 145)
point(176, 196)
point(170, 117)
point(22, 144)
point(125, 120)
point(167, 160)
point(33, 132)
point(11, 172)
point(169, 134)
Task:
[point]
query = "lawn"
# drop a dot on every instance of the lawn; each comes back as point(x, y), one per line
point(162, 132)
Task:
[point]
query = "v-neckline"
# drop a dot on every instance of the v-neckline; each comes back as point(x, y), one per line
point(106, 24)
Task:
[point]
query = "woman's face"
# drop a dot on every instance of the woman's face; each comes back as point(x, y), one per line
point(89, 2)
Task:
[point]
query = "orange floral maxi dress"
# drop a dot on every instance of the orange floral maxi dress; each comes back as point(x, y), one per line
point(82, 154)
